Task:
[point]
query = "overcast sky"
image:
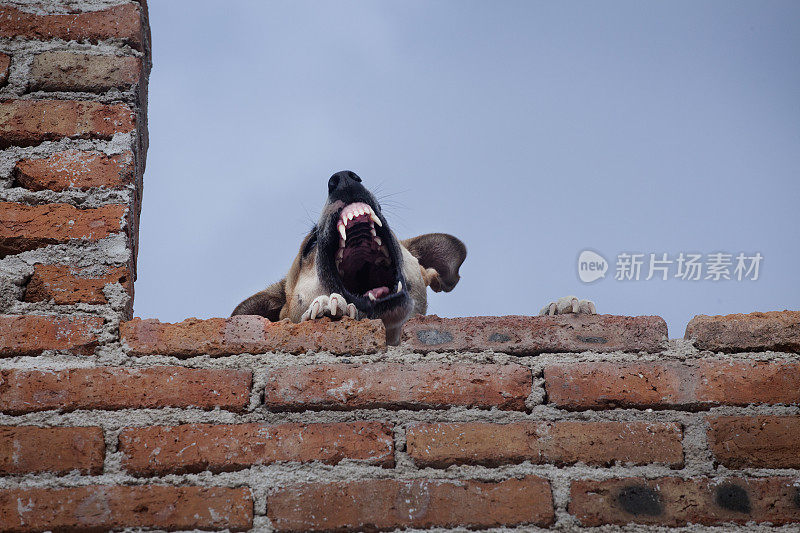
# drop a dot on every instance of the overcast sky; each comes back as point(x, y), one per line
point(530, 130)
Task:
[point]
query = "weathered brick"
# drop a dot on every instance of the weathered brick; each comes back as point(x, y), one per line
point(70, 71)
point(29, 449)
point(121, 22)
point(104, 507)
point(531, 335)
point(5, 63)
point(26, 227)
point(379, 504)
point(737, 382)
point(397, 386)
point(28, 122)
point(160, 450)
point(662, 385)
point(671, 501)
point(609, 385)
point(75, 169)
point(597, 443)
point(775, 330)
point(32, 334)
point(252, 334)
point(25, 391)
point(64, 284)
point(755, 441)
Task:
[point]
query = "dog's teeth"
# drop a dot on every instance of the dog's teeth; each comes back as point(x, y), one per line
point(375, 219)
point(371, 296)
point(385, 251)
point(342, 232)
point(372, 230)
point(378, 240)
point(399, 286)
point(341, 243)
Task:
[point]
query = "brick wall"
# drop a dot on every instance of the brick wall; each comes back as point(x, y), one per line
point(107, 422)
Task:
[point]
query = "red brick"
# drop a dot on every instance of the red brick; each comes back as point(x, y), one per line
point(775, 330)
point(75, 169)
point(672, 501)
point(5, 63)
point(25, 391)
point(32, 334)
point(29, 122)
point(252, 334)
point(629, 384)
point(755, 441)
point(740, 382)
point(121, 22)
point(29, 449)
point(565, 442)
point(70, 285)
point(664, 385)
point(388, 504)
point(397, 386)
point(70, 71)
point(526, 335)
point(160, 450)
point(26, 227)
point(104, 507)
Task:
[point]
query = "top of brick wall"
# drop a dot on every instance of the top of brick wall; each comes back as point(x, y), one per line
point(515, 335)
point(774, 330)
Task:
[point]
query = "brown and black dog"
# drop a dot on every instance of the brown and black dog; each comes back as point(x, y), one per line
point(352, 264)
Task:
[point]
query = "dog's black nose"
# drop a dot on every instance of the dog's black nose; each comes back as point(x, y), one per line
point(342, 180)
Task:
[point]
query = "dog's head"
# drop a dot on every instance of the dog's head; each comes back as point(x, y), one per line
point(353, 252)
point(356, 254)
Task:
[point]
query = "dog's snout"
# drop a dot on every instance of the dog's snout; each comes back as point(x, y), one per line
point(342, 181)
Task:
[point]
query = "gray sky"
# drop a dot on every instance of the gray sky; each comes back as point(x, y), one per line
point(530, 130)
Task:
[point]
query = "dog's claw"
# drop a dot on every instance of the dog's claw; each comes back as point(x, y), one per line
point(569, 305)
point(334, 306)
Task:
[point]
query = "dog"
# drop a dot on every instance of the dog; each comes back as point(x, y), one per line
point(352, 264)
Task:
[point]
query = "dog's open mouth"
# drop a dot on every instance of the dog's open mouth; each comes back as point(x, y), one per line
point(364, 258)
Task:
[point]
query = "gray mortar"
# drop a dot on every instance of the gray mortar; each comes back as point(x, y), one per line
point(62, 6)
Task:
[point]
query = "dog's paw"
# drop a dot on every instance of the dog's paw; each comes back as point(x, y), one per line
point(334, 306)
point(569, 304)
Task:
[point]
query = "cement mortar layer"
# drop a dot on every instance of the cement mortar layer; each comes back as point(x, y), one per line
point(22, 53)
point(52, 7)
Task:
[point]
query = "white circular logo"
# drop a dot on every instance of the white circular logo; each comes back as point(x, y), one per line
point(591, 266)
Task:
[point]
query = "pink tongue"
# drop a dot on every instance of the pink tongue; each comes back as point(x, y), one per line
point(377, 292)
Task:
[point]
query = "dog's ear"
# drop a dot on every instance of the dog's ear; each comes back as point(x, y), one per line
point(266, 303)
point(441, 256)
